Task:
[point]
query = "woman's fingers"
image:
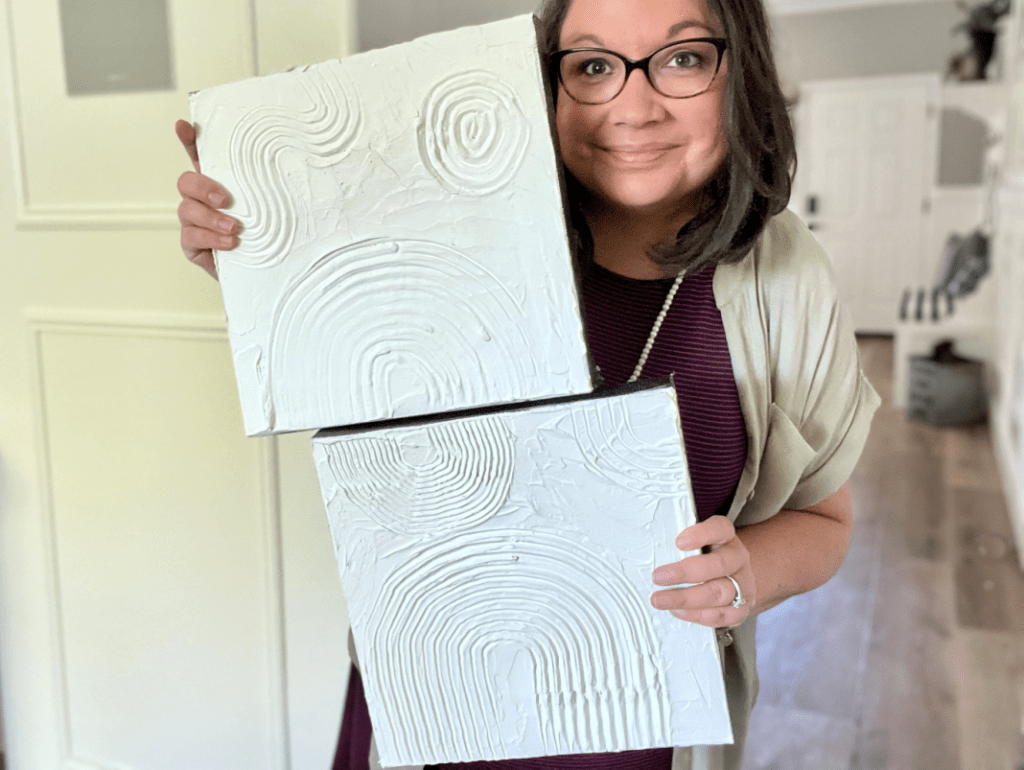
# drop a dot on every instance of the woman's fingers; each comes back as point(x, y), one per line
point(187, 136)
point(194, 185)
point(203, 227)
point(709, 604)
point(720, 617)
point(716, 593)
point(724, 560)
point(204, 259)
point(195, 239)
point(705, 590)
point(196, 214)
point(710, 533)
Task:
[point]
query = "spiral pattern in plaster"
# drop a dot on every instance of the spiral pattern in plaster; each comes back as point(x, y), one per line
point(441, 478)
point(473, 133)
point(321, 134)
point(629, 448)
point(388, 328)
point(457, 617)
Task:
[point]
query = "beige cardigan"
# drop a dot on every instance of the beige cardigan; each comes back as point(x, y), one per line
point(807, 408)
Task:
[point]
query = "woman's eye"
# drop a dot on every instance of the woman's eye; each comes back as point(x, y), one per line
point(595, 67)
point(686, 60)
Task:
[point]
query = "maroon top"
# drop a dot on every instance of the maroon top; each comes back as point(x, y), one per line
point(691, 344)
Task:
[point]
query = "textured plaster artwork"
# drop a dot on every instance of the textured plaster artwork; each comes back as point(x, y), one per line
point(404, 248)
point(497, 570)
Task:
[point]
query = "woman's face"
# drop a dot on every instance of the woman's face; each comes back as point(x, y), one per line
point(642, 151)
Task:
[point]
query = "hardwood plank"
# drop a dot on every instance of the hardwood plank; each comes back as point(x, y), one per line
point(978, 513)
point(990, 677)
point(791, 739)
point(901, 644)
point(989, 595)
point(811, 648)
point(970, 462)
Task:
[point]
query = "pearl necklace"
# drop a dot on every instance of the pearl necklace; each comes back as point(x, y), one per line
point(657, 327)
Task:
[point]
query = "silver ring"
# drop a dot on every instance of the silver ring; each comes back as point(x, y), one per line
point(739, 601)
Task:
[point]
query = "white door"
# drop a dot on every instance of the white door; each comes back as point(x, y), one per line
point(867, 164)
point(168, 595)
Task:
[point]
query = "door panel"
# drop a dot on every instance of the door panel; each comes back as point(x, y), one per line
point(868, 157)
point(106, 139)
point(164, 592)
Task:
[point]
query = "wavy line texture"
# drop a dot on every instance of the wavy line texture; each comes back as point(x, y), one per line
point(628, 450)
point(447, 477)
point(451, 617)
point(473, 133)
point(324, 132)
point(388, 328)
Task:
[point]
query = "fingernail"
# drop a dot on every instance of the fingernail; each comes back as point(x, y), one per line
point(218, 199)
point(660, 575)
point(659, 601)
point(684, 543)
point(227, 225)
point(226, 241)
point(681, 614)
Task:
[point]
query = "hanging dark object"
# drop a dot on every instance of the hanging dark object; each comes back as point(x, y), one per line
point(980, 25)
point(966, 262)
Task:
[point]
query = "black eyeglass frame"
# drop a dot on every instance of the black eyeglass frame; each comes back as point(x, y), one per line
point(720, 44)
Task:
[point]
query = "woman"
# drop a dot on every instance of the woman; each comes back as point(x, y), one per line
point(679, 177)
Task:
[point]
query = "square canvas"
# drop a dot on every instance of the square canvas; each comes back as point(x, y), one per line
point(497, 569)
point(404, 248)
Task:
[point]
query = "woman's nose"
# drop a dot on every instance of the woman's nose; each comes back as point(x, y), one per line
point(638, 103)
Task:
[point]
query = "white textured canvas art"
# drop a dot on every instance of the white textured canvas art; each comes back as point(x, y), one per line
point(404, 249)
point(497, 569)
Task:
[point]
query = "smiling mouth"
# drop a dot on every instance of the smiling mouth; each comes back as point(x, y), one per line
point(637, 156)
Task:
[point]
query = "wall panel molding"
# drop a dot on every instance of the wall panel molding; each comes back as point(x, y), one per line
point(105, 134)
point(44, 325)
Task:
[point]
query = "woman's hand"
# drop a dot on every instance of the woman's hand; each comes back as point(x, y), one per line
point(710, 602)
point(203, 227)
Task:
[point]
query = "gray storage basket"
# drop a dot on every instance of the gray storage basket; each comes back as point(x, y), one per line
point(946, 389)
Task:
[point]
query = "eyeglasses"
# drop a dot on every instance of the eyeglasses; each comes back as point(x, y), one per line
point(678, 70)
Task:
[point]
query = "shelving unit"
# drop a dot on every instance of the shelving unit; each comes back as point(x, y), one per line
point(961, 209)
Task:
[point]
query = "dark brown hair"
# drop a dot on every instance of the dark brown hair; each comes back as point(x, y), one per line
point(754, 181)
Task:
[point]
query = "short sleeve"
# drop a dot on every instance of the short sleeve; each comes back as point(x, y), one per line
point(817, 379)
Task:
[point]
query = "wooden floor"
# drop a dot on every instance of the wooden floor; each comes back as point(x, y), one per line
point(912, 657)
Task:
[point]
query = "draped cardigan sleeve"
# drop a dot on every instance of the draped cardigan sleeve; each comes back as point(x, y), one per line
point(806, 404)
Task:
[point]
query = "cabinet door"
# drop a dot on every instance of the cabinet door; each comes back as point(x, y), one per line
point(868, 161)
point(168, 597)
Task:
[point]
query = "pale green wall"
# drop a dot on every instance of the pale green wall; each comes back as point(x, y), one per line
point(386, 22)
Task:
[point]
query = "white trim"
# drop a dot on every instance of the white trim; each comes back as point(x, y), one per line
point(127, 217)
point(17, 145)
point(277, 662)
point(124, 323)
point(350, 40)
point(38, 389)
point(254, 40)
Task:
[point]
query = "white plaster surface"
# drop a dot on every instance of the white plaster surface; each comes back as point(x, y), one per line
point(497, 570)
point(404, 248)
